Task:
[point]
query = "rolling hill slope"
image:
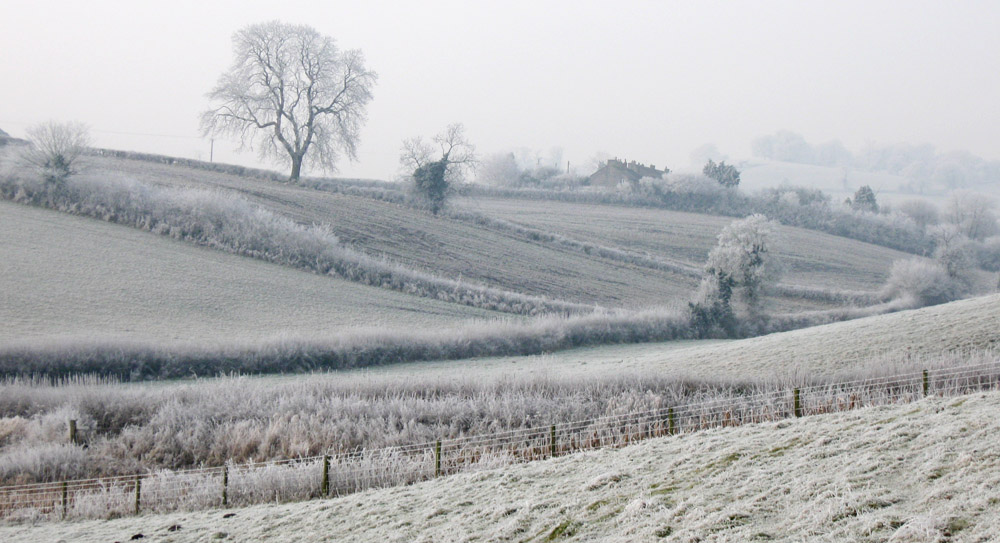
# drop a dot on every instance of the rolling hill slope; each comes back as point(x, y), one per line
point(437, 245)
point(919, 472)
point(506, 260)
point(73, 277)
point(910, 336)
point(811, 258)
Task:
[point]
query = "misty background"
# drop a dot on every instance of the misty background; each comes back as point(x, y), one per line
point(566, 80)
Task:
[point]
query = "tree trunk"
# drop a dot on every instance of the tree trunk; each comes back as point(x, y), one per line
point(296, 168)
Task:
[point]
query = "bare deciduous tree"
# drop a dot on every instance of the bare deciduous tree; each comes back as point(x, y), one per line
point(292, 95)
point(55, 148)
point(922, 212)
point(972, 213)
point(432, 178)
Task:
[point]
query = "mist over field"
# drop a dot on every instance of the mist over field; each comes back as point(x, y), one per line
point(547, 271)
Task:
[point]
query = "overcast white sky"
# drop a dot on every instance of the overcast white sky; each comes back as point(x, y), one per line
point(647, 80)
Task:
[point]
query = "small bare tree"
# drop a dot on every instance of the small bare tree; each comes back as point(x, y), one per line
point(55, 149)
point(292, 95)
point(432, 178)
point(972, 213)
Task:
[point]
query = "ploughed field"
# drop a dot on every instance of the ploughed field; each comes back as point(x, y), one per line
point(481, 254)
point(809, 258)
point(438, 245)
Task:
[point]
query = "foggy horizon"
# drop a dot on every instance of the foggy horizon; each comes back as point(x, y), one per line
point(650, 82)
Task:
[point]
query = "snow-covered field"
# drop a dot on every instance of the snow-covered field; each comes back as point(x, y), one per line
point(73, 277)
point(928, 471)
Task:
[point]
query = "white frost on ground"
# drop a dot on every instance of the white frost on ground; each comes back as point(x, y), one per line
point(928, 471)
point(828, 350)
point(75, 278)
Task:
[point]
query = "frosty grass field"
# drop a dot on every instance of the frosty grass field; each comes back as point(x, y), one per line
point(910, 473)
point(808, 257)
point(457, 250)
point(71, 277)
point(822, 478)
point(822, 351)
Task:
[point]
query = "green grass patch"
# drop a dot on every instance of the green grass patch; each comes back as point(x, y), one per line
point(566, 528)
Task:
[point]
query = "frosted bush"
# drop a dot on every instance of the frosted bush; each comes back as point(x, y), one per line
point(789, 198)
point(691, 184)
point(43, 462)
point(924, 281)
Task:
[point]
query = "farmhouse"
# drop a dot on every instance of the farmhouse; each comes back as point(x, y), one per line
point(616, 171)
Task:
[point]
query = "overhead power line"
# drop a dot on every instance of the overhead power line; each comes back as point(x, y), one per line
point(117, 132)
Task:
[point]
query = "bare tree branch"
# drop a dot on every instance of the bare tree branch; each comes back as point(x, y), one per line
point(292, 95)
point(433, 179)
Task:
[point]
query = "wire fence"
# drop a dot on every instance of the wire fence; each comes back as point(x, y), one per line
point(339, 474)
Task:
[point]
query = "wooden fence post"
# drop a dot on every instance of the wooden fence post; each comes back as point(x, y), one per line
point(927, 383)
point(72, 431)
point(797, 403)
point(325, 485)
point(65, 499)
point(671, 422)
point(552, 442)
point(138, 492)
point(225, 486)
point(437, 459)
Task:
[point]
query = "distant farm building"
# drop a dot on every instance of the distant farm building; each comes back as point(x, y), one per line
point(615, 171)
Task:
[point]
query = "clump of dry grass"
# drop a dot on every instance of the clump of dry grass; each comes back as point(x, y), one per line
point(468, 417)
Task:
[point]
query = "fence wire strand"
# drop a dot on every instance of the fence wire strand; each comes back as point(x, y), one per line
point(299, 478)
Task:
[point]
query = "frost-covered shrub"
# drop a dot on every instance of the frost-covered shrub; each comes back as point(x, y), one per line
point(922, 212)
point(43, 462)
point(925, 281)
point(987, 253)
point(692, 184)
point(55, 148)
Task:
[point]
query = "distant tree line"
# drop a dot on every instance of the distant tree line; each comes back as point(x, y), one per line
point(922, 165)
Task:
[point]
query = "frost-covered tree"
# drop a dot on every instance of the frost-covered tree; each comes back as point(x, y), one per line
point(739, 269)
point(292, 95)
point(949, 276)
point(55, 148)
point(972, 213)
point(864, 200)
point(726, 174)
point(926, 282)
point(434, 177)
point(706, 152)
point(921, 212)
point(499, 170)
